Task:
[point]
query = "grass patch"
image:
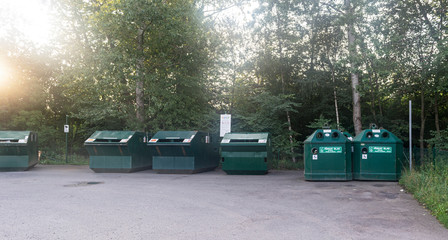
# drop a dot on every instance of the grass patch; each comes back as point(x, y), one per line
point(429, 185)
point(287, 164)
point(60, 160)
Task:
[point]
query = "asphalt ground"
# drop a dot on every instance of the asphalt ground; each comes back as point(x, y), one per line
point(72, 202)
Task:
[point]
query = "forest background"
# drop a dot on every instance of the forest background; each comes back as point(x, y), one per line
point(278, 66)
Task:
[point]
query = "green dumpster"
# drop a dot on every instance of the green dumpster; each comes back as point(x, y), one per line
point(328, 156)
point(18, 150)
point(378, 155)
point(183, 152)
point(118, 151)
point(246, 153)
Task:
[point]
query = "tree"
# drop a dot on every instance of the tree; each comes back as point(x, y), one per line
point(139, 63)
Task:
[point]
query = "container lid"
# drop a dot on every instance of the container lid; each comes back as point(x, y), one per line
point(110, 136)
point(173, 136)
point(327, 136)
point(377, 136)
point(246, 138)
point(14, 136)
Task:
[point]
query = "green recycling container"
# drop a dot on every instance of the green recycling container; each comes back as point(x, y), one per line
point(328, 156)
point(246, 153)
point(378, 155)
point(118, 151)
point(183, 152)
point(18, 150)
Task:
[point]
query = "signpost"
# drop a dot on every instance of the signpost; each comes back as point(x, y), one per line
point(66, 130)
point(410, 135)
point(226, 124)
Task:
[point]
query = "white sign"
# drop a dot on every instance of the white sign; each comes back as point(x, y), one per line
point(66, 128)
point(226, 121)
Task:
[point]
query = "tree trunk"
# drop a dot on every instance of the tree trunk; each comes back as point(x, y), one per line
point(291, 139)
point(372, 100)
point(356, 104)
point(335, 97)
point(282, 78)
point(354, 76)
point(436, 113)
point(139, 93)
point(422, 126)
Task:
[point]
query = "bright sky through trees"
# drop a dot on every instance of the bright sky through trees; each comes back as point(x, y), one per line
point(30, 18)
point(4, 73)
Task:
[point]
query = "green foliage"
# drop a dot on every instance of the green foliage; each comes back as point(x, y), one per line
point(322, 122)
point(287, 164)
point(158, 43)
point(439, 140)
point(429, 186)
point(59, 159)
point(264, 112)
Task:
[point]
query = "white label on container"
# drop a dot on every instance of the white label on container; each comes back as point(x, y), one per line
point(261, 140)
point(225, 140)
point(225, 125)
point(364, 156)
point(327, 130)
point(315, 157)
point(376, 130)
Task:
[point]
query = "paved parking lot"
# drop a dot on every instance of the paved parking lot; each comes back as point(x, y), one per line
point(72, 202)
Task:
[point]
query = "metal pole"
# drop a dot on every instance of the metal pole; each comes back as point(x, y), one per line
point(410, 135)
point(66, 140)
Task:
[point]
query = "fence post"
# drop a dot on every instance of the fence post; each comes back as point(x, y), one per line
point(434, 157)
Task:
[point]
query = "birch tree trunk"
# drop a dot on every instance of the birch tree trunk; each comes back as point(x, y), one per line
point(282, 78)
point(354, 76)
point(139, 88)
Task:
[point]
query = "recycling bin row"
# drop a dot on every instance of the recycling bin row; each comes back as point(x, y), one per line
point(165, 152)
point(374, 154)
point(178, 152)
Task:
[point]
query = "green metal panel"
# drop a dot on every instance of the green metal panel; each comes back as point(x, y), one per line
point(328, 156)
point(378, 155)
point(18, 150)
point(118, 151)
point(246, 153)
point(183, 152)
